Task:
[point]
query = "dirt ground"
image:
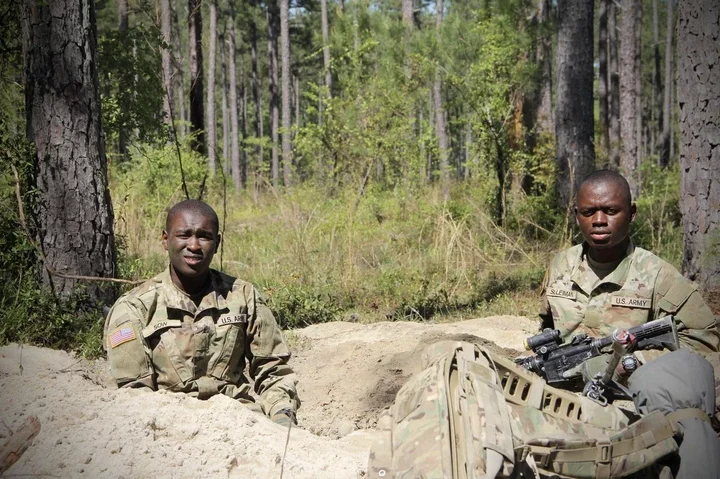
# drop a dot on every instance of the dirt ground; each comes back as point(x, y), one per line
point(348, 374)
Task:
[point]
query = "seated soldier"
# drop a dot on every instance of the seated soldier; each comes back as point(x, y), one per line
point(191, 329)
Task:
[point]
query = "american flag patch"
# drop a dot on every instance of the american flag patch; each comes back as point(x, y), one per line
point(121, 335)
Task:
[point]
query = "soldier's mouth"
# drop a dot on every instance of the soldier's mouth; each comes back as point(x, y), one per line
point(192, 260)
point(600, 236)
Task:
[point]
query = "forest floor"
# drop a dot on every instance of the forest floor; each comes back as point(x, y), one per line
point(348, 374)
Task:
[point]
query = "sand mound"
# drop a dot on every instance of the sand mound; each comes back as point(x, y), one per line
point(348, 374)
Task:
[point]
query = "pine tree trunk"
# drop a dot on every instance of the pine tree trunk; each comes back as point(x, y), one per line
point(658, 112)
point(210, 114)
point(698, 94)
point(257, 116)
point(179, 76)
point(667, 101)
point(286, 114)
point(226, 109)
point(440, 127)
point(165, 27)
point(74, 212)
point(629, 111)
point(614, 106)
point(603, 75)
point(407, 14)
point(243, 124)
point(326, 45)
point(574, 103)
point(273, 89)
point(197, 126)
point(123, 134)
point(234, 107)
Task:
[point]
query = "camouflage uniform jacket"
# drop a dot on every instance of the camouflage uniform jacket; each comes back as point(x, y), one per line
point(641, 288)
point(157, 337)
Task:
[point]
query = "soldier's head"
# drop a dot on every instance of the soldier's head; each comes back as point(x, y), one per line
point(191, 238)
point(604, 211)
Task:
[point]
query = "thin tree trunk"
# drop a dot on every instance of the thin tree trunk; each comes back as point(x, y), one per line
point(656, 77)
point(257, 118)
point(614, 106)
point(326, 45)
point(574, 111)
point(234, 122)
point(179, 76)
point(211, 133)
point(165, 27)
point(440, 127)
point(197, 126)
point(123, 134)
point(243, 124)
point(639, 98)
point(296, 91)
point(629, 111)
point(226, 110)
point(74, 213)
point(698, 94)
point(665, 149)
point(273, 89)
point(286, 114)
point(407, 14)
point(603, 75)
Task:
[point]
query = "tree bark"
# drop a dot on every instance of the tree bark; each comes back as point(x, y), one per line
point(629, 94)
point(440, 127)
point(658, 111)
point(165, 27)
point(210, 113)
point(181, 113)
point(225, 108)
point(234, 121)
point(286, 114)
point(326, 45)
point(665, 151)
point(197, 126)
point(575, 157)
point(257, 116)
point(123, 134)
point(603, 75)
point(698, 93)
point(614, 106)
point(273, 90)
point(243, 123)
point(62, 102)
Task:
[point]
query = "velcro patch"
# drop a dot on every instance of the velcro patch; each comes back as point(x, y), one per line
point(151, 329)
point(561, 293)
point(121, 335)
point(232, 319)
point(631, 302)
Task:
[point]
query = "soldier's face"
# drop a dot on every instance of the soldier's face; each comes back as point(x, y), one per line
point(604, 213)
point(191, 243)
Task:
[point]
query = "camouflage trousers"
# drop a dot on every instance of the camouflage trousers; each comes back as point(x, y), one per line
point(471, 414)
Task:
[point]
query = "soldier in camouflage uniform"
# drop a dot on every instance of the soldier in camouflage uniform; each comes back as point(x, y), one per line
point(191, 329)
point(472, 414)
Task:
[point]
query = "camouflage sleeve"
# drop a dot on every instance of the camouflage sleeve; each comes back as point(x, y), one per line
point(128, 355)
point(676, 295)
point(268, 361)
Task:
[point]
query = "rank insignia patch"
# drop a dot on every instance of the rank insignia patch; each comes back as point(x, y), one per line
point(121, 335)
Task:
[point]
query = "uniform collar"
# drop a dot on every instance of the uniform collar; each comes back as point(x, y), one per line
point(176, 299)
point(617, 277)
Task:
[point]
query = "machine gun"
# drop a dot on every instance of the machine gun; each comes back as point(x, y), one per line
point(553, 358)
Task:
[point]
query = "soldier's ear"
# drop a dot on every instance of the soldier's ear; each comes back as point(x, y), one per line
point(165, 240)
point(633, 209)
point(577, 222)
point(217, 242)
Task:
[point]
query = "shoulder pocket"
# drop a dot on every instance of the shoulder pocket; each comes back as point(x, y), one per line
point(677, 293)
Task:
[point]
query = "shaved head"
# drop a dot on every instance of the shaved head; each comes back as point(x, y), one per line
point(608, 177)
point(194, 206)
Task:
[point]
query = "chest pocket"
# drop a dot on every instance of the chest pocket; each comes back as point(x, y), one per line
point(566, 310)
point(627, 308)
point(228, 344)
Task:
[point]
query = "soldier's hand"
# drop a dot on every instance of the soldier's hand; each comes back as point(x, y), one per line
point(284, 417)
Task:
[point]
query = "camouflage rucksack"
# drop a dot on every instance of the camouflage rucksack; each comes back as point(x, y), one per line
point(471, 414)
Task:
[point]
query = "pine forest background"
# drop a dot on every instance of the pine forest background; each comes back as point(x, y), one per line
point(369, 159)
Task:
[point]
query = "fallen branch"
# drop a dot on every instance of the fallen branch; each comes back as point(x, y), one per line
point(48, 268)
point(18, 443)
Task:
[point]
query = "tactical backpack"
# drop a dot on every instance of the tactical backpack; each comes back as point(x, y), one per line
point(470, 414)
